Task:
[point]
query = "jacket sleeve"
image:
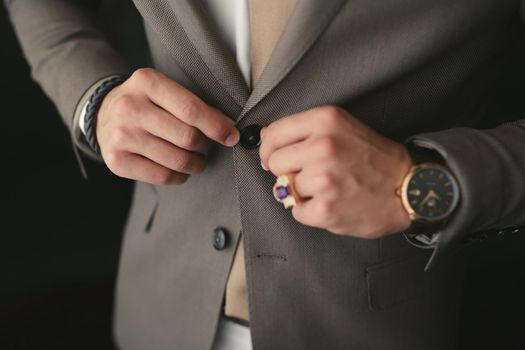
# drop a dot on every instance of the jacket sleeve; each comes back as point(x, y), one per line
point(489, 165)
point(65, 49)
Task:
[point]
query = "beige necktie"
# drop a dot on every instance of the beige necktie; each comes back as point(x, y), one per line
point(267, 21)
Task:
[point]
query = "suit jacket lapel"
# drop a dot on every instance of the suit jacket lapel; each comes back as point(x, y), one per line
point(307, 22)
point(199, 28)
point(189, 35)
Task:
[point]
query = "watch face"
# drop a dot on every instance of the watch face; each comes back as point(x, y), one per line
point(432, 193)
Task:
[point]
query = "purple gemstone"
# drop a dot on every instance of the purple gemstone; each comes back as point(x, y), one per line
point(282, 192)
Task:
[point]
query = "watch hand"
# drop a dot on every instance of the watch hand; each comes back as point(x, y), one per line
point(434, 194)
point(426, 199)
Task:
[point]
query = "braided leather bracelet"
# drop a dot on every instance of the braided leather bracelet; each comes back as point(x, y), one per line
point(93, 106)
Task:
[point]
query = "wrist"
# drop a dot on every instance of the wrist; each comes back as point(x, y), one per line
point(93, 107)
point(103, 113)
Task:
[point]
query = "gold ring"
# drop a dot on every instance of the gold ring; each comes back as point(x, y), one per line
point(285, 192)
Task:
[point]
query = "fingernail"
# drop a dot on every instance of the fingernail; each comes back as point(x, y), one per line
point(232, 139)
point(263, 166)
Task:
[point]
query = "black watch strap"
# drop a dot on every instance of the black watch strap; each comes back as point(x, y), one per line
point(93, 106)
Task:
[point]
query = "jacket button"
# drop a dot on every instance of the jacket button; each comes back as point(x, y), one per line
point(220, 238)
point(250, 136)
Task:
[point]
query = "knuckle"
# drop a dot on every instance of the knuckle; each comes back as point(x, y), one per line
point(327, 180)
point(182, 161)
point(120, 138)
point(273, 164)
point(371, 235)
point(125, 105)
point(143, 76)
point(336, 230)
point(331, 113)
point(326, 210)
point(179, 179)
point(270, 129)
point(221, 131)
point(296, 213)
point(327, 147)
point(189, 137)
point(162, 176)
point(201, 166)
point(191, 110)
point(112, 159)
point(331, 117)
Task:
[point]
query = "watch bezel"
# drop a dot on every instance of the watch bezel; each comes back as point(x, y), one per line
point(414, 216)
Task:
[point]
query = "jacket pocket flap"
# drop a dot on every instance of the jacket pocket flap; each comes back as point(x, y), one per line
point(395, 282)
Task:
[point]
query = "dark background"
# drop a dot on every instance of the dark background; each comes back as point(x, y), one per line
point(60, 237)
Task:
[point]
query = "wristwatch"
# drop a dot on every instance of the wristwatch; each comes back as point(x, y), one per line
point(429, 193)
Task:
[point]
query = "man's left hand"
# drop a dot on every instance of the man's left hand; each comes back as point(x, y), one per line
point(347, 174)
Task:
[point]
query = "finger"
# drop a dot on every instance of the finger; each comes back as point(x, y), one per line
point(304, 183)
point(313, 181)
point(285, 131)
point(307, 213)
point(160, 123)
point(169, 156)
point(183, 104)
point(291, 158)
point(136, 167)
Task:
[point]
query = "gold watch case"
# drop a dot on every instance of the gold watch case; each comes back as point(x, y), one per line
point(402, 192)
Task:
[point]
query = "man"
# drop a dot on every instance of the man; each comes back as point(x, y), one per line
point(369, 120)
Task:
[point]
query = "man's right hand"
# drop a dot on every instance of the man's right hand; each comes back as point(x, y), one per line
point(154, 130)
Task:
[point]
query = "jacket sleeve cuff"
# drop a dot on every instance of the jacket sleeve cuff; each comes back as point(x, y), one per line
point(489, 166)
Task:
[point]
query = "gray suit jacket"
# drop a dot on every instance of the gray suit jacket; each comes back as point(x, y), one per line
point(411, 69)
